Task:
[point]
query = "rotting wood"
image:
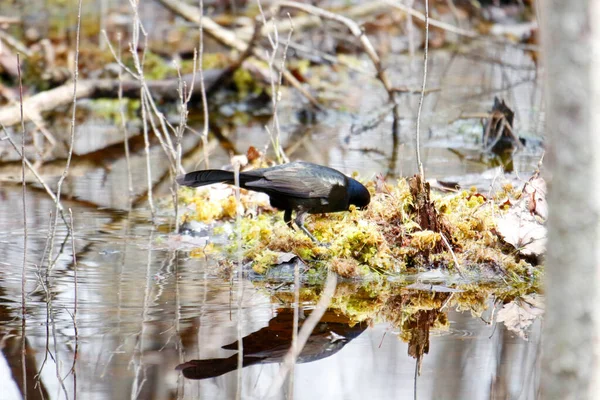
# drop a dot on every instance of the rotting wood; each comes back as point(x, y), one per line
point(426, 215)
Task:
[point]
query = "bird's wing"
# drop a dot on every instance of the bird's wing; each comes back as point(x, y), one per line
point(298, 180)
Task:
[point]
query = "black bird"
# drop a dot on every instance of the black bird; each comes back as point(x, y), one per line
point(302, 187)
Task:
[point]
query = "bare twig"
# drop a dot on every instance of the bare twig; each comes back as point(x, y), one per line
point(416, 372)
point(25, 238)
point(184, 99)
point(307, 327)
point(58, 207)
point(190, 13)
point(418, 133)
point(162, 134)
point(202, 87)
point(275, 133)
point(404, 89)
point(124, 121)
point(4, 20)
point(145, 100)
point(456, 263)
point(51, 261)
point(147, 153)
point(456, 30)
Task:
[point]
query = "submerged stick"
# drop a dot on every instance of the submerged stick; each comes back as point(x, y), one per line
point(25, 237)
point(76, 351)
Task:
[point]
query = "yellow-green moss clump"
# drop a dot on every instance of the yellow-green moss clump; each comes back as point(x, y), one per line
point(384, 238)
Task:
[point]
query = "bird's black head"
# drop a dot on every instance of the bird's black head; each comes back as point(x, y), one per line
point(358, 194)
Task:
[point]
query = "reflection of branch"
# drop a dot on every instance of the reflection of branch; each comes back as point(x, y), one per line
point(76, 351)
point(304, 334)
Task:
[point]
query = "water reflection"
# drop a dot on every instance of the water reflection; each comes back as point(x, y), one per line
point(150, 316)
point(271, 343)
point(146, 312)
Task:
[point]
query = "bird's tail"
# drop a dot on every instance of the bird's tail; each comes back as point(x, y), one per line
point(205, 177)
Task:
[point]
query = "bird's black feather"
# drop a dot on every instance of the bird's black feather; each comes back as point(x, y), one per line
point(205, 177)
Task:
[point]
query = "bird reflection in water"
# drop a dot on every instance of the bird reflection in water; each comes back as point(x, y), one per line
point(271, 344)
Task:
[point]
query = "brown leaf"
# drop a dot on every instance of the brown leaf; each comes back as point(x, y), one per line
point(520, 314)
point(252, 154)
point(520, 229)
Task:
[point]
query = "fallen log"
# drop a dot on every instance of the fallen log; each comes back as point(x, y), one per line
point(34, 106)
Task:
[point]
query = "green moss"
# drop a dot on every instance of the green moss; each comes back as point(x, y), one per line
point(155, 67)
point(264, 260)
point(245, 83)
point(384, 239)
point(110, 109)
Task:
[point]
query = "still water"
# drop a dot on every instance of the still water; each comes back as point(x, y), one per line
point(145, 311)
point(140, 317)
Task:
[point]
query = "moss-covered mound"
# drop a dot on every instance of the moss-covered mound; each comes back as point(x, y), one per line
point(385, 238)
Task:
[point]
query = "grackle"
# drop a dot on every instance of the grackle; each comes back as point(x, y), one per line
point(298, 186)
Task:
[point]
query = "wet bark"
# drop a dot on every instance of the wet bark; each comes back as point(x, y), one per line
point(427, 216)
point(571, 323)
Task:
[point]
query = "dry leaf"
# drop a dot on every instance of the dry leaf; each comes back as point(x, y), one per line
point(284, 257)
point(522, 226)
point(519, 314)
point(522, 230)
